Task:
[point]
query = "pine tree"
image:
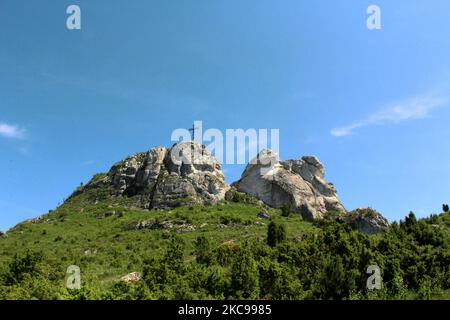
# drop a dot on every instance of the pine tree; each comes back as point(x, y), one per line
point(276, 233)
point(203, 253)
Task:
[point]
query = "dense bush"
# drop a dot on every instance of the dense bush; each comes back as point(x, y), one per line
point(203, 253)
point(286, 209)
point(23, 265)
point(244, 275)
point(276, 233)
point(235, 196)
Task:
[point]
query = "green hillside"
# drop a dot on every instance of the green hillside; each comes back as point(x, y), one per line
point(218, 252)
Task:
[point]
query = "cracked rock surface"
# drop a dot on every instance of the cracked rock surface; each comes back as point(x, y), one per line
point(298, 182)
point(163, 178)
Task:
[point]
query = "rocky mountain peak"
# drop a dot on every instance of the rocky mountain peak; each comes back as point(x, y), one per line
point(187, 174)
point(162, 178)
point(297, 182)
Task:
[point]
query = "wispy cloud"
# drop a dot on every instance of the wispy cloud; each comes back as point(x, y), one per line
point(87, 162)
point(412, 109)
point(11, 131)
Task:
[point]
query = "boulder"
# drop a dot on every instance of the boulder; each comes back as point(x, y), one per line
point(37, 219)
point(132, 277)
point(263, 215)
point(298, 182)
point(178, 226)
point(366, 220)
point(154, 224)
point(2, 234)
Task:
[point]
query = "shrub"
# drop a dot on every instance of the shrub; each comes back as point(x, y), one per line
point(286, 209)
point(276, 233)
point(22, 265)
point(234, 196)
point(225, 252)
point(203, 253)
point(245, 275)
point(174, 256)
point(335, 280)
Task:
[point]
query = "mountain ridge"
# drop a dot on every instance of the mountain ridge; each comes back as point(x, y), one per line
point(188, 174)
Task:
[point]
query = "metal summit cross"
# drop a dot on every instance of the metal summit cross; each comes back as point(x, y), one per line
point(193, 131)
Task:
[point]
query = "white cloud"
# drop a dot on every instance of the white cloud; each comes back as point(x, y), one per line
point(416, 108)
point(11, 131)
point(88, 162)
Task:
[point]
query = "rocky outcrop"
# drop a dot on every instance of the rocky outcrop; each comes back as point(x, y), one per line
point(298, 182)
point(132, 277)
point(263, 215)
point(164, 178)
point(366, 220)
point(2, 234)
point(187, 174)
point(178, 226)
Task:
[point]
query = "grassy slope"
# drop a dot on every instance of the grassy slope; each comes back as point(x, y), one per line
point(102, 239)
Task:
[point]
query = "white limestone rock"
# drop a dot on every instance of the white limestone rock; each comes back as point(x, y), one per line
point(298, 182)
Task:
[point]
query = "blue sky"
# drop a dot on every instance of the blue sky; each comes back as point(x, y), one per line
point(372, 105)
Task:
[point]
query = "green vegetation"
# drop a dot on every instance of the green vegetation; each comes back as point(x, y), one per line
point(234, 196)
point(276, 233)
point(287, 210)
point(218, 252)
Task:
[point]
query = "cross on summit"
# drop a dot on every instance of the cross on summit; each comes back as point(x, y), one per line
point(193, 131)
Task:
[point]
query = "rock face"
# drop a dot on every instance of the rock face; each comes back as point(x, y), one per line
point(165, 178)
point(366, 220)
point(298, 182)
